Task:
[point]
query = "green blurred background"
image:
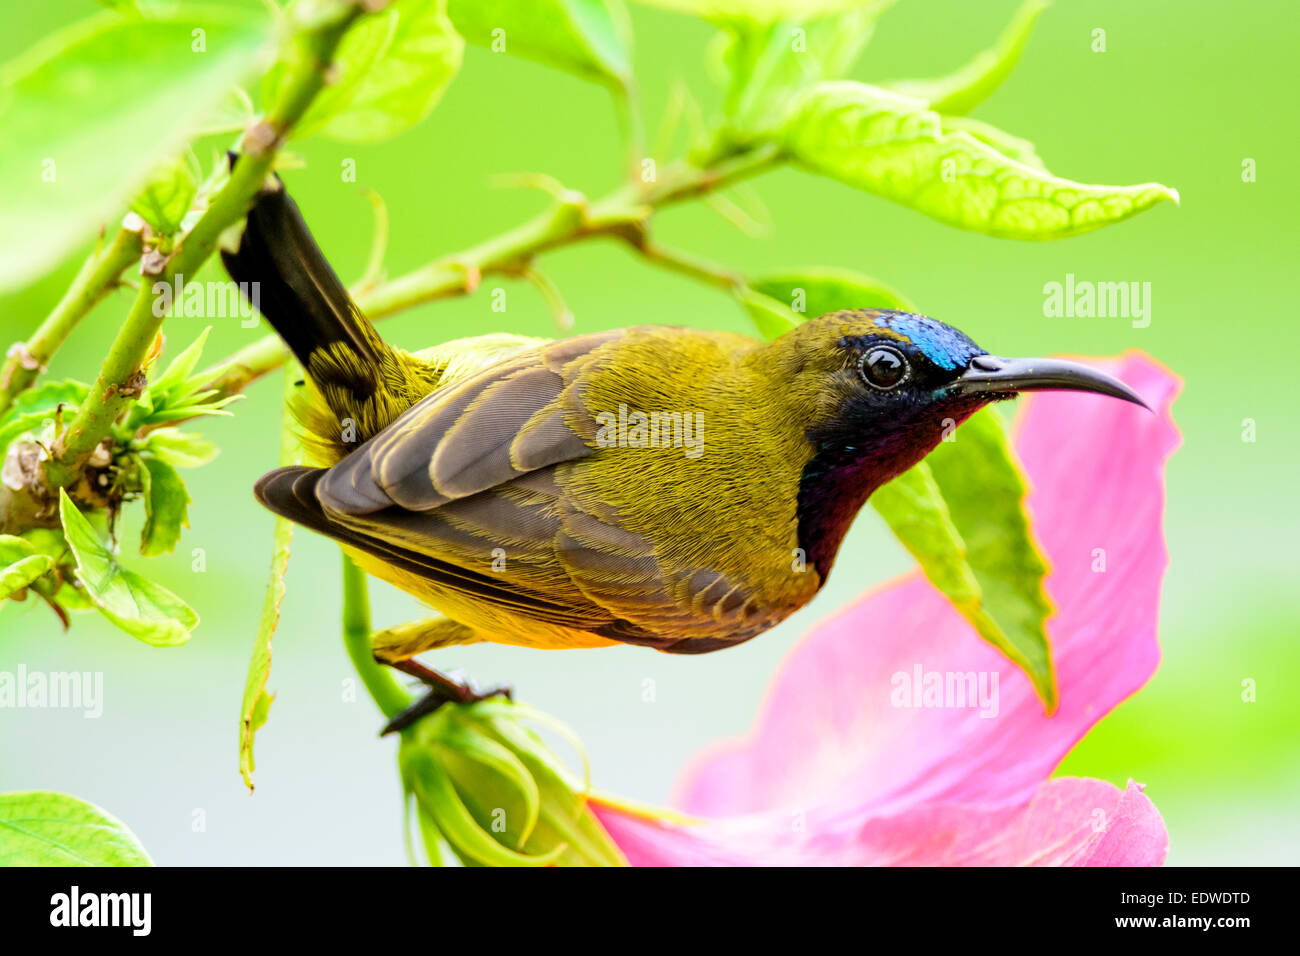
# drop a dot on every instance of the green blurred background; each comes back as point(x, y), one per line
point(1184, 93)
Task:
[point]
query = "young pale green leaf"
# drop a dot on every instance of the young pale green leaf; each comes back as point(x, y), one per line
point(166, 508)
point(50, 543)
point(182, 449)
point(16, 426)
point(41, 828)
point(175, 395)
point(393, 68)
point(770, 66)
point(23, 572)
point(166, 199)
point(43, 541)
point(984, 491)
point(772, 318)
point(48, 396)
point(14, 548)
point(1012, 147)
point(89, 112)
point(590, 38)
point(815, 291)
point(143, 609)
point(255, 707)
point(148, 414)
point(960, 92)
point(33, 408)
point(894, 147)
point(178, 370)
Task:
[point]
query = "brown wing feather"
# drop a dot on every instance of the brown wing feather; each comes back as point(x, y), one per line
point(293, 493)
point(477, 434)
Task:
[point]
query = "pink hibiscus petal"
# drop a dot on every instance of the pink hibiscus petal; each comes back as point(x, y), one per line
point(829, 735)
point(1069, 821)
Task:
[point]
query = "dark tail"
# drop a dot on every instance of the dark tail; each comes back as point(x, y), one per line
point(290, 281)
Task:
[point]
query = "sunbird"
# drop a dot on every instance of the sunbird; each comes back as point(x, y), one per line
point(677, 488)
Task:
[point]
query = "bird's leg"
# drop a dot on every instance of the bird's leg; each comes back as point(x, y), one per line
point(442, 690)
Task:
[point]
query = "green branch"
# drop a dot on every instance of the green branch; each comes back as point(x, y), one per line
point(98, 277)
point(120, 377)
point(691, 265)
point(384, 689)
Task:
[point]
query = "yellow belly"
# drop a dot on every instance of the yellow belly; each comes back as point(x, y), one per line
point(487, 622)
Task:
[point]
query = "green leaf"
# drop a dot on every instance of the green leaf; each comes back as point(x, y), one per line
point(48, 396)
point(894, 147)
point(32, 408)
point(43, 541)
point(985, 490)
point(89, 112)
point(167, 198)
point(591, 38)
point(960, 92)
point(176, 395)
point(393, 68)
point(181, 448)
point(40, 828)
point(17, 426)
point(193, 406)
point(772, 318)
point(815, 291)
point(22, 573)
point(961, 514)
point(771, 65)
point(143, 609)
point(173, 379)
point(14, 548)
point(1012, 147)
point(916, 512)
point(166, 508)
point(255, 707)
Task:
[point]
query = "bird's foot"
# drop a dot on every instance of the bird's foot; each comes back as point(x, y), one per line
point(442, 690)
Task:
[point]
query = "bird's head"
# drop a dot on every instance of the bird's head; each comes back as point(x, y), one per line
point(883, 388)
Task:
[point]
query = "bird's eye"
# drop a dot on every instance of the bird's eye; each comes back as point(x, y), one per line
point(884, 367)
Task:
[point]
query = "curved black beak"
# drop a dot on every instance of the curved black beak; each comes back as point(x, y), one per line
point(988, 374)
